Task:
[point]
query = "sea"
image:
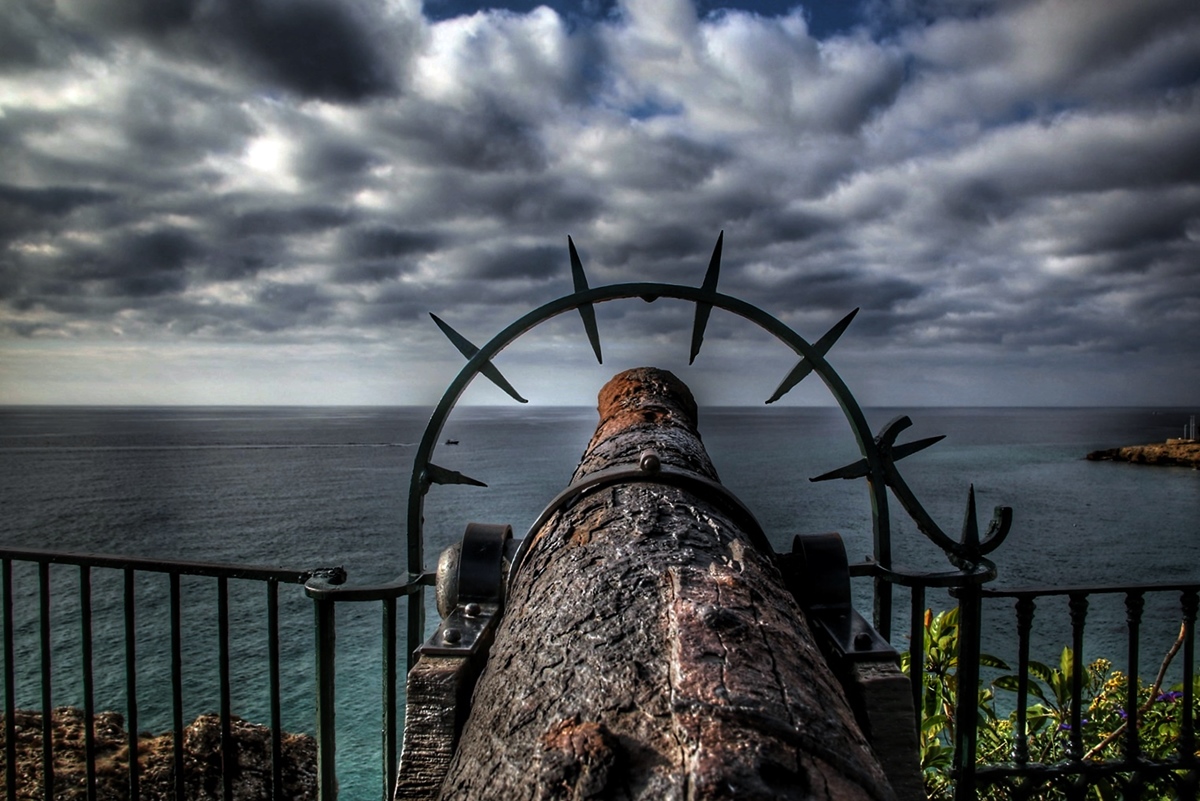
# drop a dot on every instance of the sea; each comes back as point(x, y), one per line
point(303, 487)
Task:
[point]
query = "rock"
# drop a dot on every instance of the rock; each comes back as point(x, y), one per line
point(1176, 453)
point(201, 759)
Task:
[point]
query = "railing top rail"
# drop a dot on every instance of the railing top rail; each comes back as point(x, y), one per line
point(321, 589)
point(146, 564)
point(1029, 592)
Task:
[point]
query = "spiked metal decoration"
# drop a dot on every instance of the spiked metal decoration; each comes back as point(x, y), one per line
point(804, 367)
point(467, 349)
point(704, 309)
point(879, 453)
point(440, 475)
point(586, 310)
point(966, 553)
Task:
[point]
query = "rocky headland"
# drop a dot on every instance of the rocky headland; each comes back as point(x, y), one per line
point(201, 759)
point(1173, 453)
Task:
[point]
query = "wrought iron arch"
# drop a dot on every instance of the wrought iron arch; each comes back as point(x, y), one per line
point(879, 453)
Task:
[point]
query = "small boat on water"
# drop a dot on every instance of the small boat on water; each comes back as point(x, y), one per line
point(451, 442)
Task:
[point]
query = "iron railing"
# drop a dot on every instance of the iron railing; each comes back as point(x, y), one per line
point(323, 586)
point(1021, 776)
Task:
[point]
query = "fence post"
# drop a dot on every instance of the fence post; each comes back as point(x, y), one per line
point(326, 731)
point(10, 690)
point(390, 700)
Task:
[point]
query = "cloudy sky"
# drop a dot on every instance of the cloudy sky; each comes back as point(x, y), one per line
point(261, 201)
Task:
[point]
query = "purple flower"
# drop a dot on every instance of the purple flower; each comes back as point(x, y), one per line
point(1067, 726)
point(1122, 714)
point(1170, 697)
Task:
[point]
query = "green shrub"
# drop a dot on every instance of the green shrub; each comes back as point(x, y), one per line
point(1048, 715)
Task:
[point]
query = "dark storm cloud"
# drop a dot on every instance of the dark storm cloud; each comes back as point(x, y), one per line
point(395, 306)
point(23, 43)
point(24, 209)
point(335, 51)
point(379, 241)
point(317, 49)
point(460, 199)
point(536, 262)
point(484, 137)
point(378, 252)
point(171, 120)
point(135, 265)
point(334, 161)
point(249, 218)
point(650, 243)
point(774, 225)
point(667, 163)
point(1139, 227)
point(846, 289)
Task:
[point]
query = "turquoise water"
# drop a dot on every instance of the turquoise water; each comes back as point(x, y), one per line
point(307, 487)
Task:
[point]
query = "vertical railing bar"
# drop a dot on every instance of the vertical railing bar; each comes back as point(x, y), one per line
point(131, 704)
point(416, 626)
point(227, 748)
point(89, 706)
point(47, 698)
point(1187, 729)
point(10, 690)
point(389, 697)
point(1134, 603)
point(326, 732)
point(177, 685)
point(1025, 607)
point(916, 651)
point(970, 618)
point(883, 607)
point(1078, 605)
point(273, 668)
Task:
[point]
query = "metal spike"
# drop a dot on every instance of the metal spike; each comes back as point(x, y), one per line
point(893, 453)
point(804, 367)
point(586, 311)
point(970, 530)
point(856, 470)
point(442, 475)
point(469, 350)
point(704, 309)
point(899, 452)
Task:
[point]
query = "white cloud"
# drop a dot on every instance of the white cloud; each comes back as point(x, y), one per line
point(1018, 180)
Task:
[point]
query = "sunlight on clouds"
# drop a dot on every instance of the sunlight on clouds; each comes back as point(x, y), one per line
point(373, 199)
point(45, 249)
point(267, 154)
point(1070, 266)
point(525, 56)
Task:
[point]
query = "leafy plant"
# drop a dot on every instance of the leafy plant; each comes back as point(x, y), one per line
point(1104, 716)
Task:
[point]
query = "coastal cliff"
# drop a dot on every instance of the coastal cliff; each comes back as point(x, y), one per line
point(1174, 453)
point(201, 759)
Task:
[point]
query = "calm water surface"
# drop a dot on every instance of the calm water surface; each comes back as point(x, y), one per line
point(307, 487)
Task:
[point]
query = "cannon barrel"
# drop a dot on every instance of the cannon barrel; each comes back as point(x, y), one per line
point(648, 647)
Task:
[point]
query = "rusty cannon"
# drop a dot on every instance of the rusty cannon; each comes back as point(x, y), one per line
point(643, 639)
